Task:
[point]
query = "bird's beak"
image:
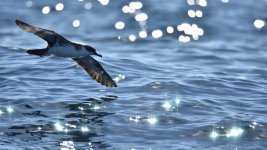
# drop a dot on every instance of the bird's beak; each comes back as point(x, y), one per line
point(98, 55)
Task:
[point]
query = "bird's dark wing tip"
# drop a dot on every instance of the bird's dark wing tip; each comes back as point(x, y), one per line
point(95, 71)
point(24, 26)
point(112, 85)
point(108, 82)
point(18, 22)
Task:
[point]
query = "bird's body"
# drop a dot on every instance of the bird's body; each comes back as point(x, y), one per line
point(61, 47)
point(69, 51)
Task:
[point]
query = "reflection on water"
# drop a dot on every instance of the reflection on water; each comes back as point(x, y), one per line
point(78, 125)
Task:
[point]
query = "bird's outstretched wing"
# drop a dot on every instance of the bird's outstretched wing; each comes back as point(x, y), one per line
point(49, 36)
point(95, 70)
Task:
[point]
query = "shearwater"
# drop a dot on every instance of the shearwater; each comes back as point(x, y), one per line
point(61, 47)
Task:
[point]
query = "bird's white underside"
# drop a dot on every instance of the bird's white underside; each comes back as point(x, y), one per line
point(68, 52)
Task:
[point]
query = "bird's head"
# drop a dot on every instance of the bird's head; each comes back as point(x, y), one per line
point(92, 50)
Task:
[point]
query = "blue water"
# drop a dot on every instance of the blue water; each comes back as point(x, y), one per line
point(209, 93)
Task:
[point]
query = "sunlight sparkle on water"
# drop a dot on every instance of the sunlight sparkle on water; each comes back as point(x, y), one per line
point(234, 132)
point(116, 79)
point(225, 1)
point(184, 27)
point(191, 13)
point(202, 3)
point(88, 5)
point(104, 2)
point(136, 119)
point(167, 105)
point(135, 5)
point(119, 25)
point(71, 125)
point(184, 39)
point(214, 134)
point(132, 37)
point(191, 2)
point(126, 9)
point(10, 109)
point(259, 24)
point(84, 129)
point(141, 17)
point(1, 112)
point(177, 101)
point(170, 29)
point(188, 29)
point(76, 23)
point(66, 130)
point(157, 33)
point(199, 13)
point(254, 124)
point(96, 107)
point(46, 10)
point(59, 127)
point(67, 145)
point(142, 34)
point(119, 77)
point(59, 7)
point(152, 120)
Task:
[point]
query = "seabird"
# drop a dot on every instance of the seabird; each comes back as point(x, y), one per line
point(61, 47)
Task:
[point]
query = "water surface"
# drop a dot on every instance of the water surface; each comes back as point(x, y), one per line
point(208, 93)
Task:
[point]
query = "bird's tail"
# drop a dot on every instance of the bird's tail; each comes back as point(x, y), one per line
point(38, 52)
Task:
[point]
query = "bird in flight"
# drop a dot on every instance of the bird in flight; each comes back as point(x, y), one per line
point(61, 47)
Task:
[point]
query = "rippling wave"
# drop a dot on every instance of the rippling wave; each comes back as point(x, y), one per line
point(177, 89)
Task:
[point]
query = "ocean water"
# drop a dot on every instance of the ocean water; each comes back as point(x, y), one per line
point(204, 86)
